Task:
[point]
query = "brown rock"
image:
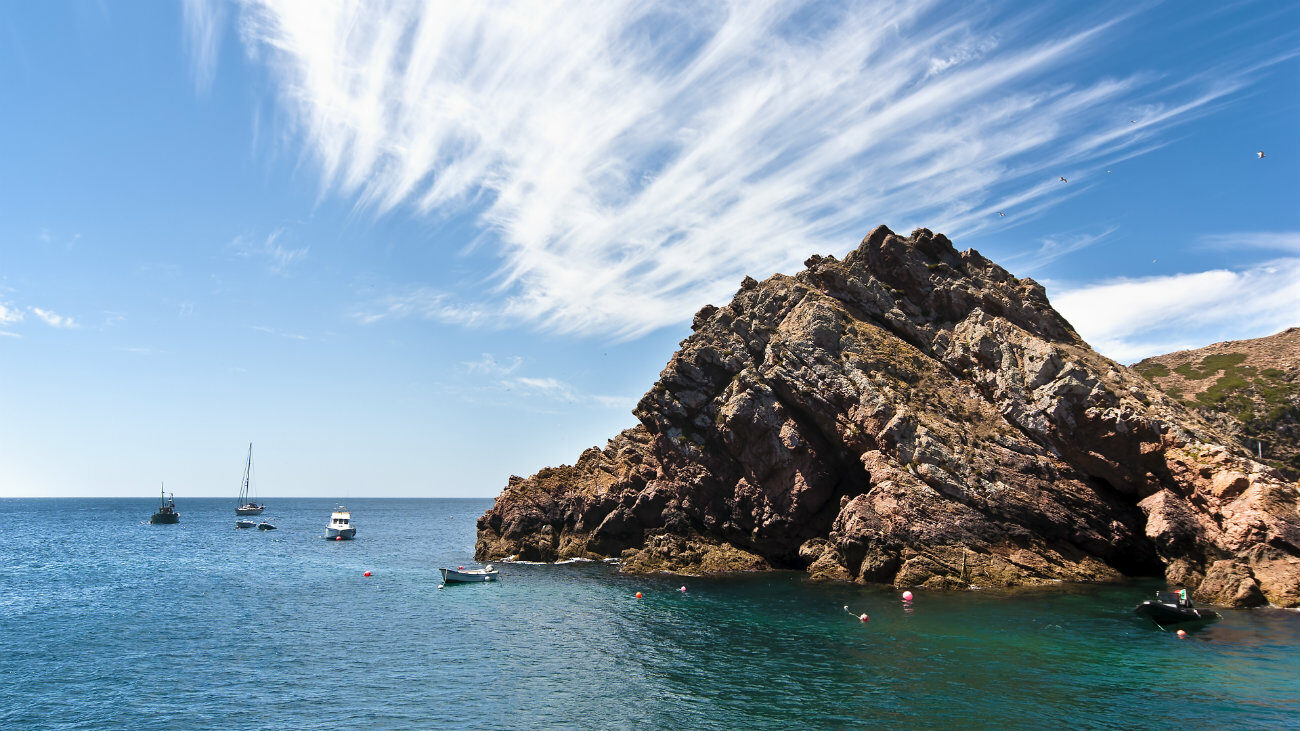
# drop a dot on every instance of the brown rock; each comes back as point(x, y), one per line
point(916, 416)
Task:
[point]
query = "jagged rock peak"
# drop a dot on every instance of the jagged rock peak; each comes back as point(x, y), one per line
point(918, 416)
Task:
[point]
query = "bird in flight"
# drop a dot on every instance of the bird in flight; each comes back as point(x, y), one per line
point(1261, 154)
point(1002, 214)
point(1063, 180)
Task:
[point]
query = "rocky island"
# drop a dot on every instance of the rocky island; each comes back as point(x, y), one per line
point(917, 416)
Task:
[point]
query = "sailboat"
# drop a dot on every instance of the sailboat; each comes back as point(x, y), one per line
point(246, 506)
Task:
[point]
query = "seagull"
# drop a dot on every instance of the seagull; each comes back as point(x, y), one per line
point(1063, 180)
point(1107, 171)
point(1132, 121)
point(1261, 154)
point(1000, 213)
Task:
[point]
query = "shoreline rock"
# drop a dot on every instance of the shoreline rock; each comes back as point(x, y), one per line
point(912, 416)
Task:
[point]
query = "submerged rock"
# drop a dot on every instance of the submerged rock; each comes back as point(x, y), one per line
point(917, 416)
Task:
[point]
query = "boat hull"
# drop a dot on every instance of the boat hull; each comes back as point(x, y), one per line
point(246, 510)
point(244, 524)
point(346, 534)
point(1169, 615)
point(452, 576)
point(265, 526)
point(165, 518)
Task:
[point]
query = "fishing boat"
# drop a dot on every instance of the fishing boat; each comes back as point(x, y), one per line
point(1170, 609)
point(266, 525)
point(340, 527)
point(468, 576)
point(167, 512)
point(244, 506)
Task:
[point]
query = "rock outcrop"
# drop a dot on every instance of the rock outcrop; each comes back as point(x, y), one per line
point(917, 416)
point(1251, 388)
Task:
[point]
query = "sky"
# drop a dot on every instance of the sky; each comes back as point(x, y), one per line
point(412, 249)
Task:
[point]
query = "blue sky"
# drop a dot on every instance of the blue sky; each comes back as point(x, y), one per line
point(410, 250)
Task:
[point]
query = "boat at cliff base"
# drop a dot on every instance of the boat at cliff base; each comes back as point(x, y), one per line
point(167, 512)
point(1170, 609)
point(468, 576)
point(340, 527)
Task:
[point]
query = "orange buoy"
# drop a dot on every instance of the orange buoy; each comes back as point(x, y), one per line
point(1182, 633)
point(366, 573)
point(638, 595)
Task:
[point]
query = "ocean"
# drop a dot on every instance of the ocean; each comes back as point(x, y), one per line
point(107, 622)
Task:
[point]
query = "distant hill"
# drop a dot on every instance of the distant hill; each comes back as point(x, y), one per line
point(1251, 387)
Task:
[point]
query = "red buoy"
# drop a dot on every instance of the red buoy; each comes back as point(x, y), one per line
point(864, 617)
point(1182, 633)
point(638, 595)
point(366, 573)
point(338, 538)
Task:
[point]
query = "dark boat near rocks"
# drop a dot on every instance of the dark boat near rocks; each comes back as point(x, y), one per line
point(1174, 609)
point(167, 512)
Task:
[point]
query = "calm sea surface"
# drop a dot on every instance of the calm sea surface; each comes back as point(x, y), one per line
point(108, 623)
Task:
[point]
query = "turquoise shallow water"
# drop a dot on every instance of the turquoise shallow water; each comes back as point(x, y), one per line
point(108, 623)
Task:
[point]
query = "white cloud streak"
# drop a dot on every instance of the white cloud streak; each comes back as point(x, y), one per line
point(1130, 319)
point(634, 161)
point(1288, 241)
point(279, 258)
point(504, 375)
point(53, 319)
point(204, 21)
point(425, 303)
point(9, 314)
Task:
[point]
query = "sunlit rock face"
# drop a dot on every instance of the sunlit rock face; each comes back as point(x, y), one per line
point(918, 416)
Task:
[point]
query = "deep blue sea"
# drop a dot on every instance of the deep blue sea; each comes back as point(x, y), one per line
point(110, 623)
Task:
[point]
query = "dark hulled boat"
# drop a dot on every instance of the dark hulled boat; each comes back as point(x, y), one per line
point(167, 512)
point(1171, 609)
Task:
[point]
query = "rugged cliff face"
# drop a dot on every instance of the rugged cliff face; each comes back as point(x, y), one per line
point(916, 416)
point(1249, 387)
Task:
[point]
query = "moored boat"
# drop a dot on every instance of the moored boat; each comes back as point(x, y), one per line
point(266, 525)
point(167, 512)
point(244, 506)
point(1169, 609)
point(244, 523)
point(468, 576)
point(340, 527)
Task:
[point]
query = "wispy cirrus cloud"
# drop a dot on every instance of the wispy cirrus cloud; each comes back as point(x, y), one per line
point(9, 314)
point(504, 375)
point(204, 22)
point(1288, 241)
point(53, 319)
point(1130, 319)
point(279, 258)
point(631, 161)
point(422, 302)
point(1054, 247)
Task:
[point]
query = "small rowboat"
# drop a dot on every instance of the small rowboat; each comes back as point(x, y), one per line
point(471, 576)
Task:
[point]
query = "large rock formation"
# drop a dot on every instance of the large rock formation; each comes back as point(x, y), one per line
point(1249, 387)
point(916, 416)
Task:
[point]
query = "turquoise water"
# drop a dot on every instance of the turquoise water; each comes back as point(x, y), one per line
point(108, 623)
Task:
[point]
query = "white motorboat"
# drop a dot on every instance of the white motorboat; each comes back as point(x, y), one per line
point(470, 576)
point(244, 523)
point(340, 527)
